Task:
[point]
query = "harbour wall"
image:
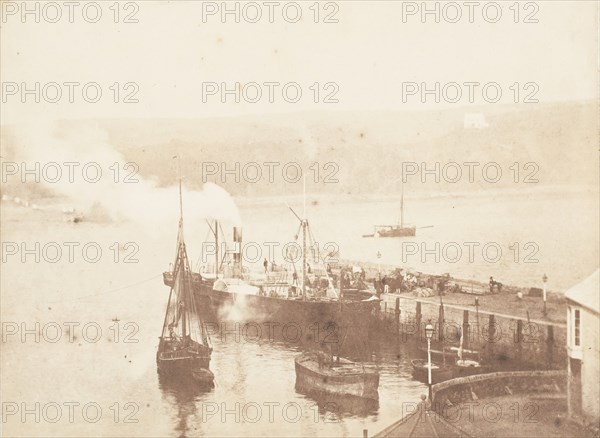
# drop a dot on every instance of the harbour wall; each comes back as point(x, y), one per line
point(481, 386)
point(499, 339)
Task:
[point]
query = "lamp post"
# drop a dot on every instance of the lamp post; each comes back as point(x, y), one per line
point(429, 334)
point(545, 279)
point(379, 264)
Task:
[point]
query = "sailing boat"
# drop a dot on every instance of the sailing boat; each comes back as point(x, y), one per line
point(462, 362)
point(399, 230)
point(467, 367)
point(184, 348)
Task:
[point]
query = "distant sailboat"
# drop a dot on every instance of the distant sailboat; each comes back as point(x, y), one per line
point(399, 230)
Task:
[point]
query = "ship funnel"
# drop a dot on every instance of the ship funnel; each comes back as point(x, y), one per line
point(237, 234)
point(237, 244)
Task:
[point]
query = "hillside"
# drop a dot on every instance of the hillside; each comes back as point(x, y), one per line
point(368, 147)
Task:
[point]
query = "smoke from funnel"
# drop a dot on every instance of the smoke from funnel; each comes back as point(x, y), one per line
point(140, 200)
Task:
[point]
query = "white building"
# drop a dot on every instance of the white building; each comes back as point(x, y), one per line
point(583, 326)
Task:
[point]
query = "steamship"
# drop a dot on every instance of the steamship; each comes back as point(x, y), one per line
point(302, 296)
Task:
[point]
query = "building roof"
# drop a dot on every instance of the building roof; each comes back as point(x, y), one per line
point(587, 293)
point(422, 423)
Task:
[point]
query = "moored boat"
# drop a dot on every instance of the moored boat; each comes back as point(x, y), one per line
point(184, 348)
point(457, 362)
point(399, 230)
point(317, 371)
point(291, 294)
point(467, 367)
point(449, 353)
point(439, 371)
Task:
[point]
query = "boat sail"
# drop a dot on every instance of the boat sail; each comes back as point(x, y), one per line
point(184, 348)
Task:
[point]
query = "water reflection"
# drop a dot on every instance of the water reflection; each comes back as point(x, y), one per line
point(340, 406)
point(262, 373)
point(184, 397)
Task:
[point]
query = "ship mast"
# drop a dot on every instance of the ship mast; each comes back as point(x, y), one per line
point(180, 256)
point(304, 259)
point(184, 298)
point(216, 249)
point(304, 225)
point(180, 195)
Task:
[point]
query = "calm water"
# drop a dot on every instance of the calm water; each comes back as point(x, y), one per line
point(535, 234)
point(118, 371)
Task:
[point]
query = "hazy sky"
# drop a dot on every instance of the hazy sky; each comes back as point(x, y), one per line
point(369, 53)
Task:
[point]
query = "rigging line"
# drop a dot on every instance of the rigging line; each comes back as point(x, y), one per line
point(222, 232)
point(110, 290)
point(225, 253)
point(199, 264)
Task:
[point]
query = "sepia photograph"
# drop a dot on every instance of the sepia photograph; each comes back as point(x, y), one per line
point(312, 218)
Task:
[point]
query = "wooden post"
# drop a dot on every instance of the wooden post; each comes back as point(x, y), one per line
point(418, 317)
point(365, 433)
point(550, 347)
point(491, 335)
point(441, 323)
point(385, 316)
point(465, 329)
point(519, 340)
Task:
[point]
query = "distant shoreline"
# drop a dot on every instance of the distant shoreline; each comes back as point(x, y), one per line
point(519, 191)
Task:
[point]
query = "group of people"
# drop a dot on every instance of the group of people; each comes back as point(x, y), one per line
point(353, 278)
point(409, 281)
point(397, 281)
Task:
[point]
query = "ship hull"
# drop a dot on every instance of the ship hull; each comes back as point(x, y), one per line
point(360, 384)
point(184, 364)
point(398, 232)
point(330, 315)
point(312, 320)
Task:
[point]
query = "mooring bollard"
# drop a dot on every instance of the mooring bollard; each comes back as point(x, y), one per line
point(397, 315)
point(441, 323)
point(491, 335)
point(465, 330)
point(550, 346)
point(519, 340)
